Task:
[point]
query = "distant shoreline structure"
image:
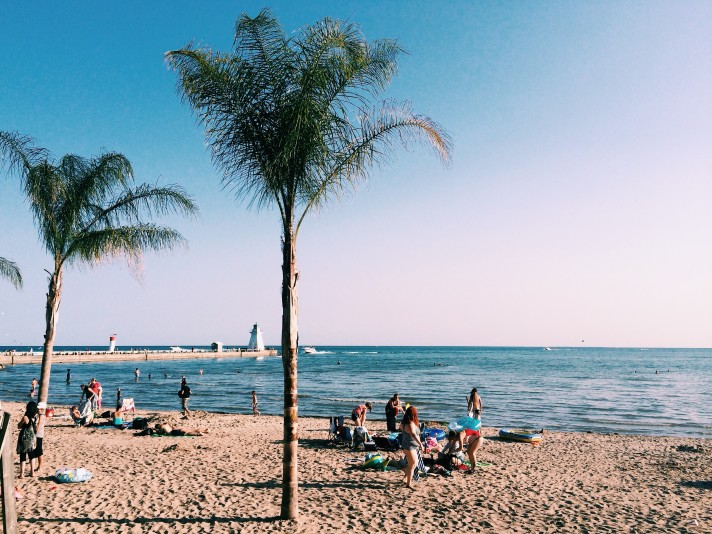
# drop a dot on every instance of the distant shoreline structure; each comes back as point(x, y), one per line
point(31, 357)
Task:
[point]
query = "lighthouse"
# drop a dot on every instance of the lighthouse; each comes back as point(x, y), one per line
point(256, 342)
point(112, 343)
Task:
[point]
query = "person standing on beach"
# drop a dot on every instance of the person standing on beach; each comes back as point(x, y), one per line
point(38, 452)
point(33, 387)
point(474, 404)
point(410, 443)
point(393, 408)
point(119, 399)
point(184, 396)
point(90, 397)
point(255, 411)
point(27, 437)
point(95, 386)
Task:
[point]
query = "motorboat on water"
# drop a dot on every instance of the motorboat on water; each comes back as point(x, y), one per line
point(309, 350)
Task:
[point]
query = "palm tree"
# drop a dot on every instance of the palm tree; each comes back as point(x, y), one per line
point(9, 270)
point(291, 122)
point(87, 212)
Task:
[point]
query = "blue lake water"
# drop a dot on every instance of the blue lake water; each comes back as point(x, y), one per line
point(565, 389)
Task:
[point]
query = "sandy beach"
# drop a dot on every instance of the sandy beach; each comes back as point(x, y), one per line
point(229, 481)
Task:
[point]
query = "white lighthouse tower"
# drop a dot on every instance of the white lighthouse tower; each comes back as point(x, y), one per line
point(112, 343)
point(256, 342)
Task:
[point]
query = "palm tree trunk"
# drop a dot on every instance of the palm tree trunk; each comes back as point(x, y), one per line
point(290, 508)
point(51, 315)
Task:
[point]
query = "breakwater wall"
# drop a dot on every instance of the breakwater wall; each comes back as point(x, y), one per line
point(16, 358)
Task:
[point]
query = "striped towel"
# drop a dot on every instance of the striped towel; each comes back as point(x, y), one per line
point(419, 467)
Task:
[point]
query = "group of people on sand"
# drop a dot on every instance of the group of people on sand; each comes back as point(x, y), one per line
point(30, 437)
point(465, 441)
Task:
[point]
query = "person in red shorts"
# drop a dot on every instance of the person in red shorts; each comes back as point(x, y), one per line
point(470, 440)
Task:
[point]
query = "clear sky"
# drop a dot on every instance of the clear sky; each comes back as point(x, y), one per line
point(578, 206)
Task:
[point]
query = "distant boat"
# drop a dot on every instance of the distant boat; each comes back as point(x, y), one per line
point(176, 349)
point(309, 350)
point(547, 348)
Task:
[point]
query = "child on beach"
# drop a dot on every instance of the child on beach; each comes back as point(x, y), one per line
point(38, 451)
point(255, 411)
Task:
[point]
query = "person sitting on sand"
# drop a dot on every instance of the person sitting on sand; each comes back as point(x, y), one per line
point(452, 454)
point(81, 417)
point(359, 414)
point(164, 429)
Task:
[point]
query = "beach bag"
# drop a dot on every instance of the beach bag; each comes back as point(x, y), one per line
point(27, 441)
point(360, 435)
point(140, 423)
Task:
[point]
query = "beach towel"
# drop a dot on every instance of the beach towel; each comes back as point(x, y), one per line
point(419, 467)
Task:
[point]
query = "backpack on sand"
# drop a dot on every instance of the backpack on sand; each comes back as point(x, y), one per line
point(27, 441)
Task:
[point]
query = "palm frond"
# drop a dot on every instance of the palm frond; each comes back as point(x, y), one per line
point(380, 132)
point(129, 242)
point(11, 272)
point(18, 153)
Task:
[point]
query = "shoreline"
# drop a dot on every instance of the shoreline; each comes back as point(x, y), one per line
point(230, 480)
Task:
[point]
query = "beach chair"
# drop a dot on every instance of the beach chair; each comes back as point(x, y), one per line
point(337, 430)
point(333, 429)
point(128, 406)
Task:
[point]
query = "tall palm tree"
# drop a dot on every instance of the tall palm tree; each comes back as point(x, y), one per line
point(87, 211)
point(10, 271)
point(291, 122)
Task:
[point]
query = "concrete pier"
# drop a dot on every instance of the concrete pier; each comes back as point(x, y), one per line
point(15, 358)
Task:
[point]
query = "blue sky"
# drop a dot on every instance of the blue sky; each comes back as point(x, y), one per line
point(577, 206)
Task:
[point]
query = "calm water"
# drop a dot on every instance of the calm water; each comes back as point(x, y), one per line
point(567, 389)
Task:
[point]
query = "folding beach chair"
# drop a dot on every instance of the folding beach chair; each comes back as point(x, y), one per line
point(337, 431)
point(128, 406)
point(333, 429)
